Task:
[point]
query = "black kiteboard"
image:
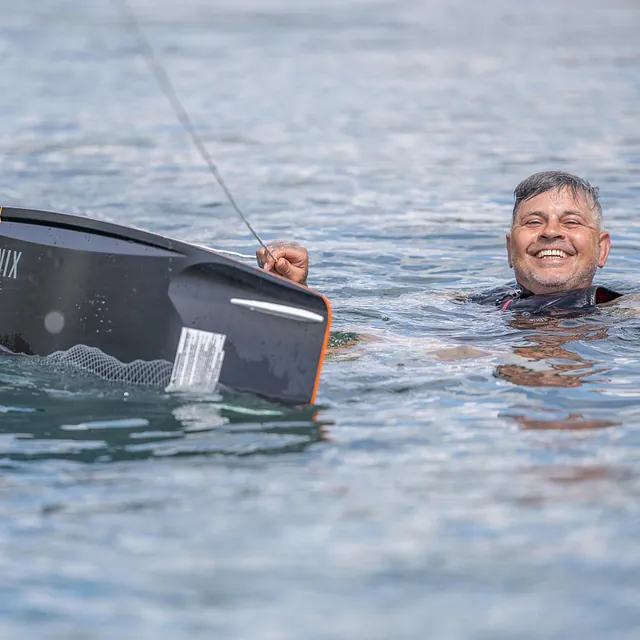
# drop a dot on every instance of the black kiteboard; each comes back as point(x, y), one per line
point(136, 307)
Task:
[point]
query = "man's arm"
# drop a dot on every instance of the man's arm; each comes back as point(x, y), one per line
point(291, 261)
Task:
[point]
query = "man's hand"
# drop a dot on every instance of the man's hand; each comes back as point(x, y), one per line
point(292, 261)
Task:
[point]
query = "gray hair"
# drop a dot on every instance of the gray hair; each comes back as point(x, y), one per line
point(545, 181)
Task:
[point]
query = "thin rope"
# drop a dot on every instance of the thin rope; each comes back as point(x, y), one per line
point(155, 66)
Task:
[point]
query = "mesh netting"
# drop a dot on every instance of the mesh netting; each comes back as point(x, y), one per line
point(92, 360)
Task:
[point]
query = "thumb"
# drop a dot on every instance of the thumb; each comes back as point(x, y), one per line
point(283, 267)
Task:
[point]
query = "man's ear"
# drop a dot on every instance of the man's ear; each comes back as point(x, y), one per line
point(605, 245)
point(508, 236)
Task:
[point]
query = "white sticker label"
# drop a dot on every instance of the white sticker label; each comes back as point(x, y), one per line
point(198, 361)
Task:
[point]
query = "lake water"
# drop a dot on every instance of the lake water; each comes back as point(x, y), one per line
point(465, 475)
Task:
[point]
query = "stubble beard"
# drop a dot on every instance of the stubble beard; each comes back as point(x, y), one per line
point(556, 284)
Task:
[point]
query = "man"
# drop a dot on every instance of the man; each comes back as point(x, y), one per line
point(555, 246)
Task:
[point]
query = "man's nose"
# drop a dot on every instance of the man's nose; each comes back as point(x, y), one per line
point(553, 228)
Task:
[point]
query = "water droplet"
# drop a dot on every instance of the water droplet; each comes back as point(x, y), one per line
point(54, 322)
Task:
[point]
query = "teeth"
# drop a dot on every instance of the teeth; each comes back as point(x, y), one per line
point(552, 253)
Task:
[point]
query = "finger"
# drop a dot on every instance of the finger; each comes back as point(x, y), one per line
point(265, 261)
point(269, 262)
point(287, 270)
point(283, 267)
point(296, 255)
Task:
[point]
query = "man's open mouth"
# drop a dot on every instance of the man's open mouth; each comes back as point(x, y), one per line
point(551, 253)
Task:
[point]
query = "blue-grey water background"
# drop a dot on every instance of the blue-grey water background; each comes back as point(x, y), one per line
point(465, 476)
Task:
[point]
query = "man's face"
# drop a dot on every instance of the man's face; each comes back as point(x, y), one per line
point(555, 244)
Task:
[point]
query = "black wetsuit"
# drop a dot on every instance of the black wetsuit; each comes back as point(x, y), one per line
point(514, 298)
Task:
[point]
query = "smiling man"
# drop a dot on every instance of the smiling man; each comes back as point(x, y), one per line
point(556, 241)
point(555, 246)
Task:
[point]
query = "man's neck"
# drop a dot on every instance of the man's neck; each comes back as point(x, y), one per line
point(547, 292)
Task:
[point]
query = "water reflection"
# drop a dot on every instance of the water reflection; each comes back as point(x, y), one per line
point(78, 418)
point(171, 434)
point(577, 484)
point(548, 362)
point(572, 422)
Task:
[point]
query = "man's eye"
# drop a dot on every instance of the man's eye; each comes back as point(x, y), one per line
point(532, 223)
point(571, 223)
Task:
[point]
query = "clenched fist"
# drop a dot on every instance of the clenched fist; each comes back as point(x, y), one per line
point(291, 261)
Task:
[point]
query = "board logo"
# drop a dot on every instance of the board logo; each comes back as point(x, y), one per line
point(9, 260)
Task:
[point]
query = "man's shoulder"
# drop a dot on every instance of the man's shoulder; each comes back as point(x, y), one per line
point(498, 295)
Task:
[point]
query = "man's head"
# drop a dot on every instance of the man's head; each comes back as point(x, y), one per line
point(556, 241)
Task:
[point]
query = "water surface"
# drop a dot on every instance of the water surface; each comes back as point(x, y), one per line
point(465, 475)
